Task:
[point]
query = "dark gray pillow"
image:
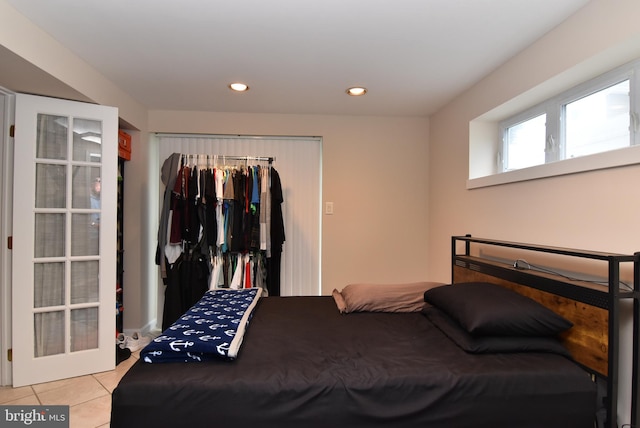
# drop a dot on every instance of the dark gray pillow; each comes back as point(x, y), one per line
point(486, 309)
point(492, 344)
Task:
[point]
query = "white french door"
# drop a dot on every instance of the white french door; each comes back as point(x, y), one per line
point(64, 240)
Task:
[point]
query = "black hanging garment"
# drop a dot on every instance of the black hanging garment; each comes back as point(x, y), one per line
point(172, 309)
point(210, 202)
point(277, 235)
point(237, 220)
point(187, 281)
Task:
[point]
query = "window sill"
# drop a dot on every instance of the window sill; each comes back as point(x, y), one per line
point(612, 159)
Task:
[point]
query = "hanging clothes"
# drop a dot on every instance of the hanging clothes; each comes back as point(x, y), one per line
point(169, 174)
point(188, 280)
point(277, 235)
point(221, 227)
point(265, 204)
point(254, 208)
point(210, 204)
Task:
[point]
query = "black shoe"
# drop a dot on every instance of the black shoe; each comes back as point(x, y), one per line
point(122, 354)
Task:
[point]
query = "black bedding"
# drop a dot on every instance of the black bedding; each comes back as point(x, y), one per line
point(303, 364)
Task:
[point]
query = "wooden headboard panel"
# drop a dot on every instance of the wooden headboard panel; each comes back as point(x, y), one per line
point(587, 340)
point(593, 308)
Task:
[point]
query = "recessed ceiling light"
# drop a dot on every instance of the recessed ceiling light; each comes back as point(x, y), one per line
point(239, 87)
point(356, 91)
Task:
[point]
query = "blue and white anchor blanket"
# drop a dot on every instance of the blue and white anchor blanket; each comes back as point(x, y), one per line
point(212, 329)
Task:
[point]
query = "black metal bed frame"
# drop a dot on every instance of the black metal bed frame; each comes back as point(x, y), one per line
point(608, 300)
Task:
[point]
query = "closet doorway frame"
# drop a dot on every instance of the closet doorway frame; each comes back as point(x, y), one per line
point(287, 164)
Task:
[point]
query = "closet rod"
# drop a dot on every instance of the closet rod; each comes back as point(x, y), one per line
point(269, 159)
point(248, 158)
point(239, 137)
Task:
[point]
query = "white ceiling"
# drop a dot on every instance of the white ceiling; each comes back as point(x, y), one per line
point(298, 56)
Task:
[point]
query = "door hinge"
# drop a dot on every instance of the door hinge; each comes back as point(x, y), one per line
point(10, 242)
point(12, 131)
point(10, 354)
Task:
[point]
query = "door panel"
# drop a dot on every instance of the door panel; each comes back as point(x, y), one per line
point(64, 247)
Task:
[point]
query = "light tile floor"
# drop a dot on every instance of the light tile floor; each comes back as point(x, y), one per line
point(89, 397)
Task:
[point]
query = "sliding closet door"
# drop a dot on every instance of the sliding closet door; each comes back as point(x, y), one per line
point(298, 162)
point(64, 247)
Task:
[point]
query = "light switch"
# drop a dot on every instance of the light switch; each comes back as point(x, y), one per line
point(328, 208)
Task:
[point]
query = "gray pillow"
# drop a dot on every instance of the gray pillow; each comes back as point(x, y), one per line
point(404, 297)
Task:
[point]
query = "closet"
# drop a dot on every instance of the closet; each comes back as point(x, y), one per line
point(298, 160)
point(221, 226)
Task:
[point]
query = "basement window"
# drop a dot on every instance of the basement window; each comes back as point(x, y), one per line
point(524, 143)
point(591, 126)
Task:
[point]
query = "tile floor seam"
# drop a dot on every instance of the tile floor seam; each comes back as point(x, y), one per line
point(106, 378)
point(101, 383)
point(87, 401)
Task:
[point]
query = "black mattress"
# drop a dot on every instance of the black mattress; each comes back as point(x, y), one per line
point(303, 364)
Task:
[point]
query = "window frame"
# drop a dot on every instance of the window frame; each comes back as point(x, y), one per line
point(505, 125)
point(554, 108)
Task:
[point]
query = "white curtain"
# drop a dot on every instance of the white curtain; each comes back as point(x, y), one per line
point(298, 161)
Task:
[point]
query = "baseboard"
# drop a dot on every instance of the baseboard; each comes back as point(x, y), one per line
point(147, 329)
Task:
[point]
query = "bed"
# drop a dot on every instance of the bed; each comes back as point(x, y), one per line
point(303, 363)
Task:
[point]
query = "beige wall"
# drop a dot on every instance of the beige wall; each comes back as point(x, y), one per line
point(594, 210)
point(23, 38)
point(374, 170)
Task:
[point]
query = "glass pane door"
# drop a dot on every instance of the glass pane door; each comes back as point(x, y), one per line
point(64, 235)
